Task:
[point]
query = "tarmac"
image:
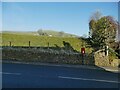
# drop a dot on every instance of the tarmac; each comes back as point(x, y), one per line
point(110, 69)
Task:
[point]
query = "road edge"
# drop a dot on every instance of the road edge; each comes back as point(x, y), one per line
point(109, 69)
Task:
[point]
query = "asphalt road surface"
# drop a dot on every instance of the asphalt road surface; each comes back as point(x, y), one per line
point(43, 76)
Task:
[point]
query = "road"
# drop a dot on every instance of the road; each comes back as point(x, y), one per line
point(43, 76)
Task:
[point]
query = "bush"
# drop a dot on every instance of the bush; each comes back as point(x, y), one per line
point(112, 55)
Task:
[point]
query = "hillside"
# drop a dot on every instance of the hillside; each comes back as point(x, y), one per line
point(20, 33)
point(39, 51)
point(47, 32)
point(40, 41)
point(57, 33)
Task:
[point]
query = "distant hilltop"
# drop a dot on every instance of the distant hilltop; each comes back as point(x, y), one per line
point(40, 32)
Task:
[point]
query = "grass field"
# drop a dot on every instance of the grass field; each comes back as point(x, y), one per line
point(42, 41)
point(54, 55)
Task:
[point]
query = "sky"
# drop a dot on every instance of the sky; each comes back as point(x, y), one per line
point(70, 17)
point(60, 0)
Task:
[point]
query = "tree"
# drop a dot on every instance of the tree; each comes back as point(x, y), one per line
point(111, 30)
point(96, 15)
point(93, 37)
point(102, 31)
point(61, 33)
point(118, 33)
point(41, 32)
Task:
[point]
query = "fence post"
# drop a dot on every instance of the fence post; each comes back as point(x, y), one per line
point(10, 43)
point(29, 44)
point(48, 44)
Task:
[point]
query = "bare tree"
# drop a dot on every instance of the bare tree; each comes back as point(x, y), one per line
point(96, 15)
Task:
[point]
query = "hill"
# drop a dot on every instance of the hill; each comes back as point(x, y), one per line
point(20, 32)
point(45, 33)
point(22, 39)
point(56, 33)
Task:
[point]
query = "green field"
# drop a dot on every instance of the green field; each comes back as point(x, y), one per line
point(40, 41)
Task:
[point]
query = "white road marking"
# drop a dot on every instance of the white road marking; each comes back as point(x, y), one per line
point(10, 73)
point(88, 79)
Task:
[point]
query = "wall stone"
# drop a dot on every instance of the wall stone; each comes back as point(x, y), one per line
point(102, 60)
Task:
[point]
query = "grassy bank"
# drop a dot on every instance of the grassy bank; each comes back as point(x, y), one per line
point(44, 49)
point(41, 41)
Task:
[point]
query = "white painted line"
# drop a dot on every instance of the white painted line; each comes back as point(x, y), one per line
point(10, 73)
point(88, 79)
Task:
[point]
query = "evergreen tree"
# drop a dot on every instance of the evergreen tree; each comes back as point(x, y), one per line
point(102, 32)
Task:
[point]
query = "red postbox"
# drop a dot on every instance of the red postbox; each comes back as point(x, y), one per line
point(83, 50)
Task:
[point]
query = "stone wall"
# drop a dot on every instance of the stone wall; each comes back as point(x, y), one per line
point(102, 60)
point(45, 55)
